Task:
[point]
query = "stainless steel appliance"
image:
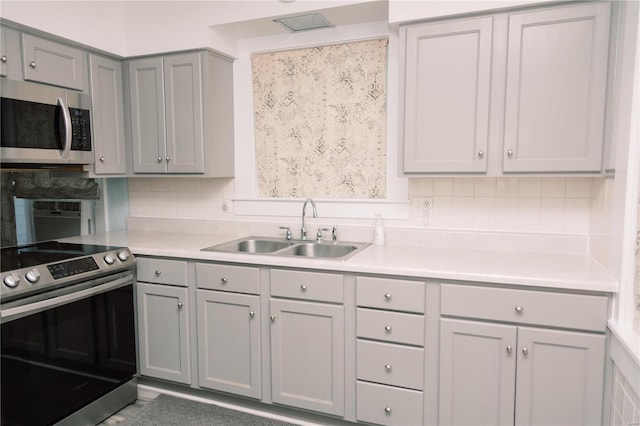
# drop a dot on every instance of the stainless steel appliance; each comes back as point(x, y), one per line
point(44, 125)
point(68, 333)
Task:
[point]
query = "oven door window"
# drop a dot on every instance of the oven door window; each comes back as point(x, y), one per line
point(55, 362)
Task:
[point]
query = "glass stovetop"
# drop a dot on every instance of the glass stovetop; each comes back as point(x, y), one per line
point(17, 257)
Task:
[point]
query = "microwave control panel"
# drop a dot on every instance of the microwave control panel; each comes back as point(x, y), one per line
point(81, 129)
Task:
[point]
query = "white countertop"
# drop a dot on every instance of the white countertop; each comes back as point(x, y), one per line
point(548, 270)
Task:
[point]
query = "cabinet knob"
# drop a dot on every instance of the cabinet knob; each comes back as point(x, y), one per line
point(168, 159)
point(252, 314)
point(510, 153)
point(387, 409)
point(481, 154)
point(159, 159)
point(32, 64)
point(387, 328)
point(303, 287)
point(273, 318)
point(525, 351)
point(519, 309)
point(509, 349)
point(158, 272)
point(102, 159)
point(387, 296)
point(180, 305)
point(224, 280)
point(4, 59)
point(387, 367)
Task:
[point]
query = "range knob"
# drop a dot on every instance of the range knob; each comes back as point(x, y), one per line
point(12, 280)
point(109, 259)
point(123, 255)
point(33, 276)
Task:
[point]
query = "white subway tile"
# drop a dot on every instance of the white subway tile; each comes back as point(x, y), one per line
point(507, 187)
point(554, 187)
point(485, 187)
point(529, 187)
point(578, 187)
point(463, 187)
point(443, 187)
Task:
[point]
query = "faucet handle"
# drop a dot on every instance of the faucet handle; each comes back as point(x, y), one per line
point(319, 233)
point(334, 234)
point(287, 236)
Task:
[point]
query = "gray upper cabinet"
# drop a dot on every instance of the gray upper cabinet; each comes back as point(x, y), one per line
point(52, 63)
point(108, 115)
point(556, 88)
point(182, 114)
point(447, 78)
point(3, 52)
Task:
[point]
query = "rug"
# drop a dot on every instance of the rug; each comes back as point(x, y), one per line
point(169, 410)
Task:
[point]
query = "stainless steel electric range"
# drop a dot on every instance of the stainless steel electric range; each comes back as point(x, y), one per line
point(68, 333)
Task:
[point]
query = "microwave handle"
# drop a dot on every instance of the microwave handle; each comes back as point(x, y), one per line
point(67, 128)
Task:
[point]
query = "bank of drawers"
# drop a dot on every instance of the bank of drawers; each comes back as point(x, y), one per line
point(390, 350)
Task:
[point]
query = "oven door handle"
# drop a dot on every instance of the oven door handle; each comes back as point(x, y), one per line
point(35, 307)
point(67, 128)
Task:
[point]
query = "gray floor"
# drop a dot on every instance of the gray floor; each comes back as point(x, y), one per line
point(144, 396)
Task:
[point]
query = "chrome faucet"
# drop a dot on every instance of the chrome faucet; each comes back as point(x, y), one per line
point(303, 230)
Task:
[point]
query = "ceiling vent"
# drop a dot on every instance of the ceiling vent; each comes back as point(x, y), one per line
point(312, 21)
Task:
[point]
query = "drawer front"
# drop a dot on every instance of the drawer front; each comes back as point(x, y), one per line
point(399, 295)
point(162, 271)
point(577, 311)
point(239, 279)
point(388, 326)
point(307, 285)
point(385, 405)
point(390, 364)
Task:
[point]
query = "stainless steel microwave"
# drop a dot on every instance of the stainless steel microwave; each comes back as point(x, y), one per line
point(44, 125)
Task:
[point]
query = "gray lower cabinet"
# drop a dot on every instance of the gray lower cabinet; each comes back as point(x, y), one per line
point(163, 319)
point(493, 373)
point(307, 341)
point(229, 324)
point(107, 115)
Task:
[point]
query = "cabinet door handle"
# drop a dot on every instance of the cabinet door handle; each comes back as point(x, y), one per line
point(481, 154)
point(32, 65)
point(387, 367)
point(180, 305)
point(224, 280)
point(158, 272)
point(102, 159)
point(510, 153)
point(303, 287)
point(273, 318)
point(387, 296)
point(168, 159)
point(387, 410)
point(525, 351)
point(387, 328)
point(159, 159)
point(252, 314)
point(509, 349)
point(519, 309)
point(4, 59)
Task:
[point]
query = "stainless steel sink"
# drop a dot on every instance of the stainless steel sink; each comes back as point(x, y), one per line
point(294, 248)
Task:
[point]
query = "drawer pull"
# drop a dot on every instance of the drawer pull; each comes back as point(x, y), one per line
point(519, 309)
point(387, 409)
point(158, 272)
point(387, 367)
point(387, 296)
point(525, 351)
point(509, 349)
point(224, 280)
point(303, 287)
point(387, 328)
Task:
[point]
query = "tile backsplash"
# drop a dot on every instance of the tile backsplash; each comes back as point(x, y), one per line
point(558, 205)
point(625, 404)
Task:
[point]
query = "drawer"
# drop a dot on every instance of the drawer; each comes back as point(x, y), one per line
point(307, 285)
point(389, 326)
point(239, 279)
point(385, 293)
point(576, 311)
point(162, 271)
point(385, 405)
point(390, 364)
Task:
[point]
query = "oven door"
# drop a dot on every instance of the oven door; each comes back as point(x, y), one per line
point(63, 353)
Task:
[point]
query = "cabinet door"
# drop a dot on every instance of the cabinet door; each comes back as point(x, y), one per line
point(147, 115)
point(163, 315)
point(185, 132)
point(307, 355)
point(556, 82)
point(229, 342)
point(448, 72)
point(560, 377)
point(53, 63)
point(3, 52)
point(107, 113)
point(477, 372)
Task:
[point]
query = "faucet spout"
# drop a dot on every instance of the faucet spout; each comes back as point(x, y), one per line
point(303, 230)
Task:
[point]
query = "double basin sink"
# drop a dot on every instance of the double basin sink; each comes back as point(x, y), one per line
point(295, 248)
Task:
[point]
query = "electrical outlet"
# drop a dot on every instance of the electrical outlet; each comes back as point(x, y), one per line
point(420, 204)
point(226, 206)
